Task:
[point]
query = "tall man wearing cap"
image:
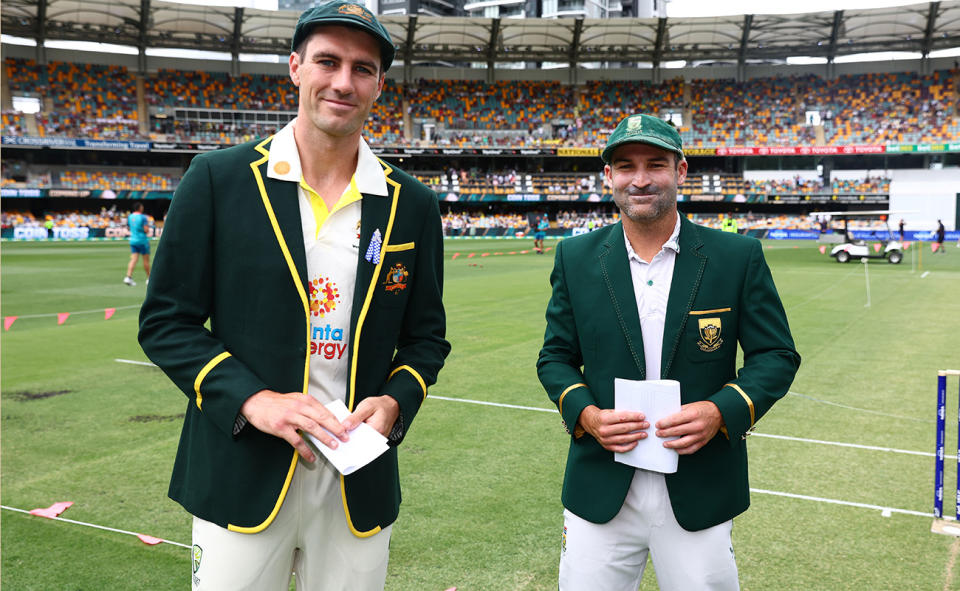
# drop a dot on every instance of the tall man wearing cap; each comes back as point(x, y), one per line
point(658, 297)
point(294, 272)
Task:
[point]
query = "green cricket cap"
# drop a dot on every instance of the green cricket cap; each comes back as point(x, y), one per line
point(347, 14)
point(644, 129)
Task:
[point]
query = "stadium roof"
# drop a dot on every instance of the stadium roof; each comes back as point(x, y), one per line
point(921, 28)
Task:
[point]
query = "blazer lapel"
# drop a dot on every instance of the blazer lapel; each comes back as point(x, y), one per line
point(280, 200)
point(615, 270)
point(687, 272)
point(374, 216)
point(377, 213)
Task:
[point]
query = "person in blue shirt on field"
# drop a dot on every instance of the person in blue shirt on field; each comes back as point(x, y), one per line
point(139, 242)
point(542, 225)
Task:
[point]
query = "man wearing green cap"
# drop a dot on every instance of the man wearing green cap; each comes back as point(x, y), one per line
point(297, 273)
point(658, 297)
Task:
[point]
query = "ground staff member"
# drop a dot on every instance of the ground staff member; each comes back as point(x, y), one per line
point(139, 243)
point(659, 297)
point(319, 268)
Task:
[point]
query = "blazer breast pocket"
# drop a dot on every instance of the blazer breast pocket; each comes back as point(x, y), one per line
point(396, 274)
point(710, 335)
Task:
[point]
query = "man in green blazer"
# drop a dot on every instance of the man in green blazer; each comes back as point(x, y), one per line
point(295, 273)
point(658, 297)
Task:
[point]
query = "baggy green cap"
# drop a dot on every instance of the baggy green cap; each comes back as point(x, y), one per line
point(644, 129)
point(348, 14)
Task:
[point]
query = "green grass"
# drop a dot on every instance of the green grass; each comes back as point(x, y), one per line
point(481, 484)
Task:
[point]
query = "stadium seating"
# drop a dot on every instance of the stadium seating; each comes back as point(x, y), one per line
point(86, 100)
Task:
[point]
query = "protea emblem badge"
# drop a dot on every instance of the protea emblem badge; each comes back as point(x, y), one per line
point(710, 339)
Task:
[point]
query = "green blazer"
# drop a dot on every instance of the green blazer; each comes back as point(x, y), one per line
point(722, 293)
point(232, 253)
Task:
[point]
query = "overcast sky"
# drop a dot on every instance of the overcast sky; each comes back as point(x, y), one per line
point(678, 8)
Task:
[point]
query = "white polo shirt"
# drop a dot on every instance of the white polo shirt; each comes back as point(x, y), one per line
point(651, 287)
point(332, 242)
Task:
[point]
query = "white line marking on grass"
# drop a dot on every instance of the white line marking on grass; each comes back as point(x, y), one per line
point(867, 410)
point(93, 525)
point(820, 294)
point(883, 510)
point(854, 445)
point(132, 362)
point(97, 311)
point(484, 403)
point(755, 434)
point(925, 273)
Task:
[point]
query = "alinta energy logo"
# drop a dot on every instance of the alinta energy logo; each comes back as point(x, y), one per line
point(324, 296)
point(325, 341)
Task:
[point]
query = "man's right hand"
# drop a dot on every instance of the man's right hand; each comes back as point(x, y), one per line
point(616, 430)
point(283, 414)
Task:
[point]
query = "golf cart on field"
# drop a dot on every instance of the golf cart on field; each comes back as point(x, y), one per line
point(855, 249)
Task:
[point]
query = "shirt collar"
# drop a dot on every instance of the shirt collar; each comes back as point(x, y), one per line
point(672, 243)
point(284, 163)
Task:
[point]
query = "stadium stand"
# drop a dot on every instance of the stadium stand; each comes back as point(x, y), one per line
point(101, 102)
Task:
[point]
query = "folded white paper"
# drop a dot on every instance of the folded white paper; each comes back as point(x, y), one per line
point(364, 446)
point(656, 399)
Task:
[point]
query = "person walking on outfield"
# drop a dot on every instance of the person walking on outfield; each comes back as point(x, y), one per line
point(139, 243)
point(653, 297)
point(320, 270)
point(541, 234)
point(938, 237)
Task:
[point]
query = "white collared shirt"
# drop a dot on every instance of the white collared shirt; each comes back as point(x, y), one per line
point(651, 287)
point(332, 243)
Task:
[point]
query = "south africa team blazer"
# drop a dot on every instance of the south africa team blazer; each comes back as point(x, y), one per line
point(722, 294)
point(232, 255)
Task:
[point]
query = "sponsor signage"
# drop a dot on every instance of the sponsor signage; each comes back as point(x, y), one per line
point(69, 192)
point(142, 146)
point(578, 151)
point(81, 233)
point(798, 150)
point(21, 192)
point(29, 233)
point(793, 234)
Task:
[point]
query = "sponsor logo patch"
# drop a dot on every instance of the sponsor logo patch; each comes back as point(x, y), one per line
point(197, 556)
point(324, 296)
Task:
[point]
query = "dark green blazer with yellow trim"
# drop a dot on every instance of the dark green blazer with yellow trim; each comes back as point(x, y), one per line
point(232, 253)
point(722, 294)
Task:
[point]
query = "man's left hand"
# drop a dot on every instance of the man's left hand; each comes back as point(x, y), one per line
point(380, 412)
point(694, 425)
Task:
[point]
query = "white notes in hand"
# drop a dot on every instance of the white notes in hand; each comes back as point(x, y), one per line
point(364, 446)
point(656, 399)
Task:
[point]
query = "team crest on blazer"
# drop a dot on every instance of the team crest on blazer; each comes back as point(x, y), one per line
point(710, 339)
point(396, 280)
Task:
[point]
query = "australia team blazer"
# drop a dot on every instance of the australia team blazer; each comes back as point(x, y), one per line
point(722, 294)
point(227, 314)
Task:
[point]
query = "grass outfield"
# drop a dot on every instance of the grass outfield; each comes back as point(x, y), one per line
point(482, 483)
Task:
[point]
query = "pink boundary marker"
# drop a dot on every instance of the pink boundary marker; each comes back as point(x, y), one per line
point(62, 317)
point(149, 540)
point(108, 313)
point(53, 510)
point(8, 322)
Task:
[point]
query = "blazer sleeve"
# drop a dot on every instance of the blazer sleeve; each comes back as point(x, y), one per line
point(770, 359)
point(178, 304)
point(421, 345)
point(560, 361)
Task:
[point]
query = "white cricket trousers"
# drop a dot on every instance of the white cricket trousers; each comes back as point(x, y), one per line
point(309, 537)
point(612, 556)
